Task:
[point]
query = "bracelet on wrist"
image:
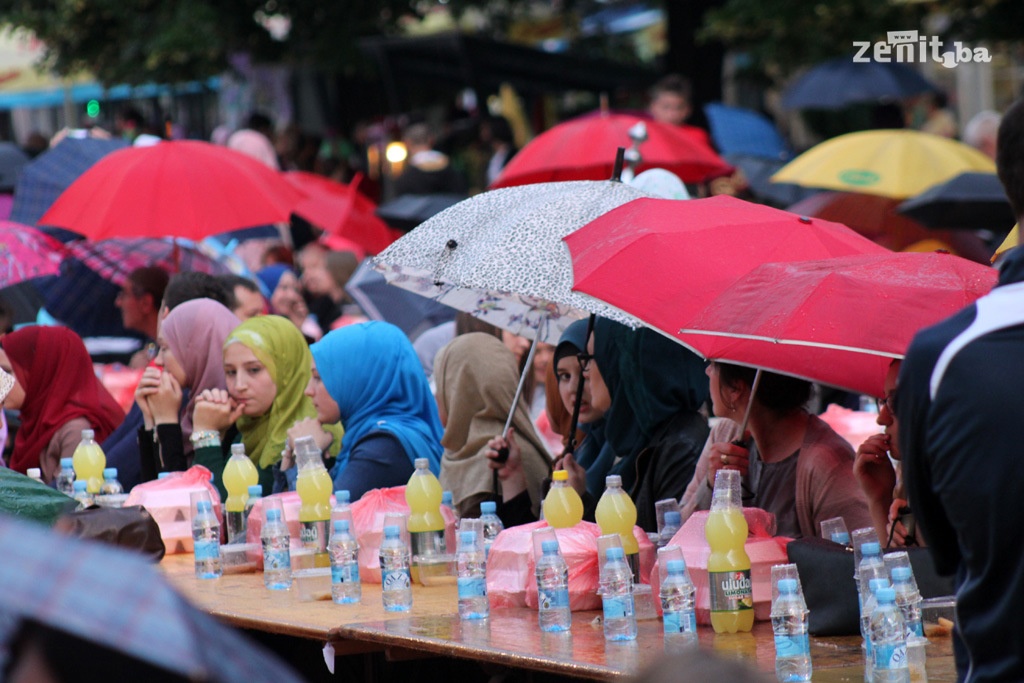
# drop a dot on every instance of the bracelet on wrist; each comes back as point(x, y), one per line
point(205, 438)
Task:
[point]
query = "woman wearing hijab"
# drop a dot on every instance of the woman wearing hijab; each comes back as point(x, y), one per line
point(58, 395)
point(368, 376)
point(476, 378)
point(284, 292)
point(190, 356)
point(266, 369)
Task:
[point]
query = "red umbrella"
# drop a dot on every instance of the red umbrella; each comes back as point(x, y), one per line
point(341, 210)
point(26, 252)
point(584, 149)
point(838, 321)
point(662, 260)
point(173, 189)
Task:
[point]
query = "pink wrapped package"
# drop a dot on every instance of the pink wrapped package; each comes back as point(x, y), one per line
point(168, 501)
point(763, 548)
point(511, 565)
point(853, 425)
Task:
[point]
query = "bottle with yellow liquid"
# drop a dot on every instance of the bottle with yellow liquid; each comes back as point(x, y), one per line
point(732, 598)
point(563, 507)
point(314, 486)
point(616, 514)
point(89, 462)
point(239, 474)
point(426, 525)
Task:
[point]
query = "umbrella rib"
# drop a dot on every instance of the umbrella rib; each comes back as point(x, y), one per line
point(791, 342)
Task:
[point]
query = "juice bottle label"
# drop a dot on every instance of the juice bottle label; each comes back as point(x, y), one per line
point(731, 591)
point(472, 587)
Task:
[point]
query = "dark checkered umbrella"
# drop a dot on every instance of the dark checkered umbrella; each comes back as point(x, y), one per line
point(115, 259)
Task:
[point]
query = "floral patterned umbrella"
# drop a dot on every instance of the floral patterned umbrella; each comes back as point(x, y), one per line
point(500, 257)
point(26, 252)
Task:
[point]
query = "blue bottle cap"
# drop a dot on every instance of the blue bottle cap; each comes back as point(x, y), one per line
point(80, 485)
point(675, 566)
point(885, 595)
point(256, 491)
point(110, 473)
point(342, 496)
point(841, 537)
point(787, 586)
point(673, 518)
point(549, 547)
point(870, 548)
point(203, 506)
point(901, 573)
point(467, 537)
point(614, 554)
point(163, 475)
point(446, 498)
point(875, 585)
point(66, 462)
point(488, 507)
point(391, 531)
point(273, 515)
point(341, 526)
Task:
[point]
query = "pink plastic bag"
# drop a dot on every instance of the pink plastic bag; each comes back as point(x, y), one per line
point(763, 548)
point(511, 565)
point(168, 501)
point(853, 425)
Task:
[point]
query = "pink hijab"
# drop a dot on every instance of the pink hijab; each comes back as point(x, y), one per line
point(195, 332)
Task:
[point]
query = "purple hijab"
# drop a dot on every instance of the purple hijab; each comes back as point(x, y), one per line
point(195, 332)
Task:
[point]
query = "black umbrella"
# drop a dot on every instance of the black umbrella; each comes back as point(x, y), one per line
point(840, 82)
point(969, 201)
point(406, 212)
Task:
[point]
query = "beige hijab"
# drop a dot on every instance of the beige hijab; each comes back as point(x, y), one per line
point(476, 381)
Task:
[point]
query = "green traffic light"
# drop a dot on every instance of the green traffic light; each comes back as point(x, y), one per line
point(92, 108)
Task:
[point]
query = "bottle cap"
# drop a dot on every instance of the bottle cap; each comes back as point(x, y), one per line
point(549, 547)
point(88, 434)
point(559, 475)
point(273, 515)
point(204, 506)
point(422, 464)
point(342, 496)
point(613, 480)
point(614, 554)
point(488, 507)
point(901, 573)
point(673, 518)
point(163, 475)
point(841, 537)
point(80, 485)
point(446, 498)
point(675, 566)
point(34, 472)
point(110, 473)
point(67, 462)
point(256, 491)
point(392, 531)
point(341, 526)
point(238, 449)
point(467, 537)
point(787, 586)
point(885, 595)
point(870, 548)
point(875, 585)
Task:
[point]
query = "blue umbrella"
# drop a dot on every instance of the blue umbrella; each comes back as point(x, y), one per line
point(411, 312)
point(841, 82)
point(742, 131)
point(970, 201)
point(758, 172)
point(49, 174)
point(12, 160)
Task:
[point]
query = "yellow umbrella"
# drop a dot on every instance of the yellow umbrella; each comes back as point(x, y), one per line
point(1012, 240)
point(890, 163)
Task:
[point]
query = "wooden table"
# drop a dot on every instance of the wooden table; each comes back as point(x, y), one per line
point(510, 637)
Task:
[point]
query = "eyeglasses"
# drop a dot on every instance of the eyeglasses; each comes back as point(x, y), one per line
point(887, 402)
point(584, 359)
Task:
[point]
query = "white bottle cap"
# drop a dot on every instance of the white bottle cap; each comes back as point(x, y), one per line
point(35, 473)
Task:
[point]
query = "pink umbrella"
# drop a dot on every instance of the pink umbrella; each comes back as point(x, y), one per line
point(26, 252)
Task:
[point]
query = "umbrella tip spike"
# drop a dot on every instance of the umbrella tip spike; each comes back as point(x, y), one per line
point(451, 244)
point(804, 219)
point(620, 157)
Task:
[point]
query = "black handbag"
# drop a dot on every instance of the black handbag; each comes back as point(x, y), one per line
point(826, 575)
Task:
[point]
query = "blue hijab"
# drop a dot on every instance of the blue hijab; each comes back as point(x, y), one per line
point(374, 375)
point(270, 276)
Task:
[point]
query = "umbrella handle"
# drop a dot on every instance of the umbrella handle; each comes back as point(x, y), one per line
point(574, 422)
point(620, 157)
point(750, 402)
point(503, 452)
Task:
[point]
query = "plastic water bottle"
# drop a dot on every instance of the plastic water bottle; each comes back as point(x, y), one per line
point(908, 599)
point(889, 640)
point(396, 583)
point(277, 557)
point(448, 501)
point(342, 509)
point(617, 597)
point(553, 611)
point(344, 552)
point(35, 473)
point(82, 495)
point(206, 541)
point(870, 602)
point(673, 521)
point(111, 486)
point(255, 494)
point(871, 567)
point(677, 605)
point(789, 625)
point(492, 524)
point(471, 560)
point(66, 477)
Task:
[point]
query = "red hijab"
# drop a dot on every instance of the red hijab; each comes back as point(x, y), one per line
point(55, 370)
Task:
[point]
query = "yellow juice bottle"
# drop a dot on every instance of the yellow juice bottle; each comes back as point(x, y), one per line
point(732, 598)
point(616, 514)
point(239, 474)
point(314, 486)
point(88, 461)
point(423, 494)
point(563, 507)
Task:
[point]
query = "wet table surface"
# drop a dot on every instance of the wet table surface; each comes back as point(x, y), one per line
point(510, 637)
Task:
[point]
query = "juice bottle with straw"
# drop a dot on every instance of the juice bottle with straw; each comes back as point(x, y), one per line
point(732, 599)
point(239, 474)
point(89, 461)
point(563, 507)
point(426, 525)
